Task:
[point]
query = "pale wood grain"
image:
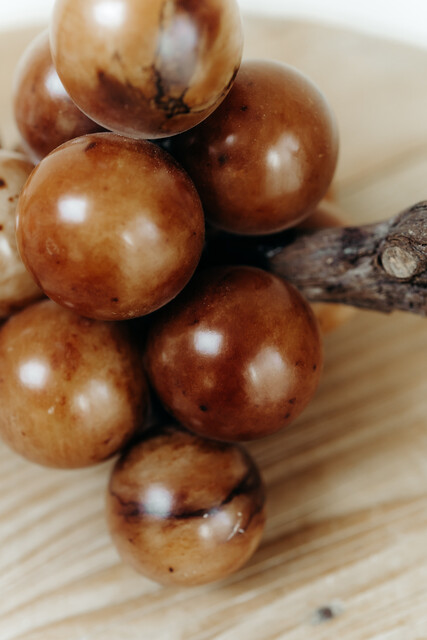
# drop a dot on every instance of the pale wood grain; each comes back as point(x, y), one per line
point(347, 484)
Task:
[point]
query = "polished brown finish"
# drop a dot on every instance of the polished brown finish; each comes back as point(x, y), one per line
point(266, 157)
point(237, 356)
point(44, 112)
point(17, 287)
point(185, 510)
point(72, 392)
point(147, 69)
point(110, 227)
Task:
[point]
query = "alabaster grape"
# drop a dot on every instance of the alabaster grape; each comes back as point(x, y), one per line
point(237, 356)
point(72, 391)
point(110, 227)
point(147, 69)
point(185, 510)
point(45, 114)
point(266, 157)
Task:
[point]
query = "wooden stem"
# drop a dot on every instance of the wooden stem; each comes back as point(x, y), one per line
point(381, 266)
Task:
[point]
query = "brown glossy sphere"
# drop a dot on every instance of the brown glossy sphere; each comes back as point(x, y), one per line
point(237, 356)
point(44, 112)
point(72, 392)
point(266, 157)
point(185, 510)
point(17, 287)
point(147, 69)
point(110, 227)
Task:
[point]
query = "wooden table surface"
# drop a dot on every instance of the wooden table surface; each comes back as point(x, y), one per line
point(344, 554)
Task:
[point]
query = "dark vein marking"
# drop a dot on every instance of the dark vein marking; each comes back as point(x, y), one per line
point(248, 485)
point(171, 105)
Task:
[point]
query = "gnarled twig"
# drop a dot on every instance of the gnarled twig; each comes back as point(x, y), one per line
point(380, 266)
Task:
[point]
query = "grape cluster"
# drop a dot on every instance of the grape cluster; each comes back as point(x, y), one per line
point(111, 227)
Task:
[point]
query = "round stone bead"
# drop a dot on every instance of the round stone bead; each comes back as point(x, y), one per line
point(110, 227)
point(237, 356)
point(185, 510)
point(147, 69)
point(266, 157)
point(72, 390)
point(44, 112)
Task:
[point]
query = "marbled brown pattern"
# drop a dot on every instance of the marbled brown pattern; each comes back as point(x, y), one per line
point(72, 391)
point(44, 112)
point(266, 157)
point(147, 69)
point(185, 510)
point(237, 356)
point(110, 227)
point(17, 287)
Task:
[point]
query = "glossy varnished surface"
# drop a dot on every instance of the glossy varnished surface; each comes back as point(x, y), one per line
point(17, 287)
point(45, 114)
point(237, 356)
point(266, 157)
point(147, 69)
point(185, 510)
point(72, 391)
point(343, 554)
point(109, 227)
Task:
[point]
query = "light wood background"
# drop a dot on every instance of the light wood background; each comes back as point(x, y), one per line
point(345, 550)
